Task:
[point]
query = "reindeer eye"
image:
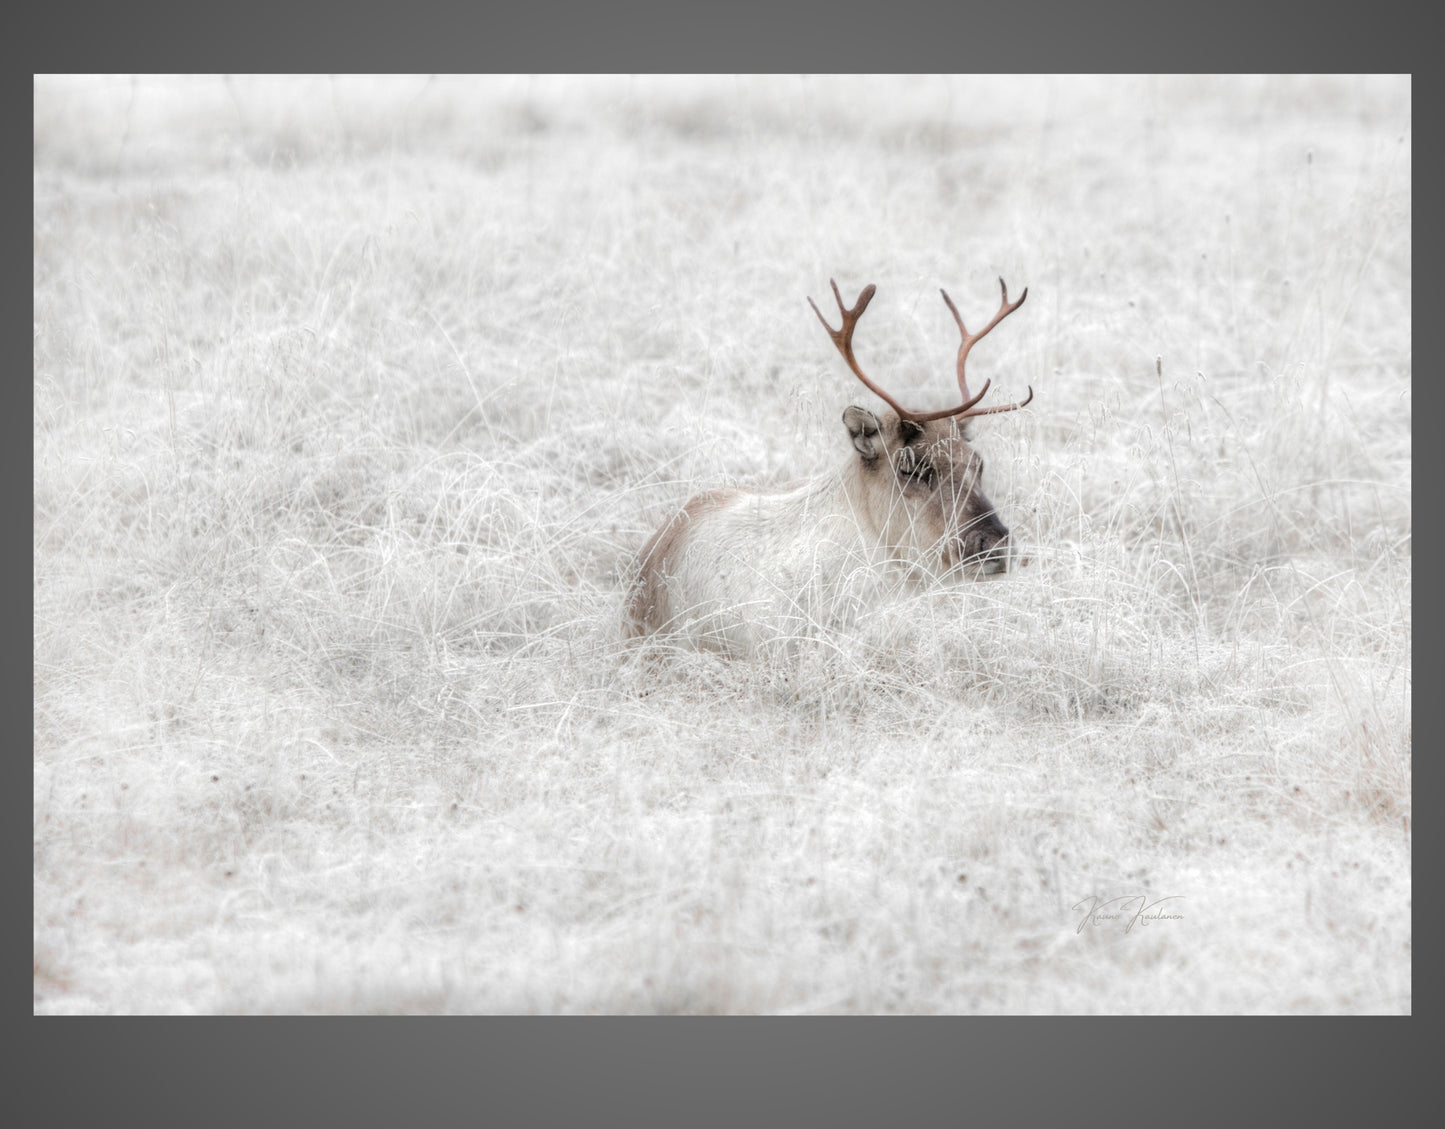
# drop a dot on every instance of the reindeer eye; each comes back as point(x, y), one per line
point(913, 467)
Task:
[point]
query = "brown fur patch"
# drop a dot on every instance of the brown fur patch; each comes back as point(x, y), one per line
point(647, 604)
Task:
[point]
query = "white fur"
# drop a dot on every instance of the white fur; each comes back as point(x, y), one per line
point(762, 568)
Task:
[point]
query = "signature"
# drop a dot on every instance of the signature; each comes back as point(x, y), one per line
point(1133, 909)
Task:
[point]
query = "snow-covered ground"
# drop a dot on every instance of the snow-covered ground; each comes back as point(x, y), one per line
point(354, 399)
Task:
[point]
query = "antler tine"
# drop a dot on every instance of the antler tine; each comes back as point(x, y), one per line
point(970, 340)
point(1002, 407)
point(843, 339)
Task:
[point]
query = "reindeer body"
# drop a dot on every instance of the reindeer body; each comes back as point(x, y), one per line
point(736, 570)
point(733, 569)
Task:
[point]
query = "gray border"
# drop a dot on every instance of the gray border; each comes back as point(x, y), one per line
point(1024, 36)
point(686, 1071)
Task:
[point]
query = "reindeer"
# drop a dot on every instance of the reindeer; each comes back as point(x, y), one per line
point(735, 569)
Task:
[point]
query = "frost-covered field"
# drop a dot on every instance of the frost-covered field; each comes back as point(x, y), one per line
point(355, 398)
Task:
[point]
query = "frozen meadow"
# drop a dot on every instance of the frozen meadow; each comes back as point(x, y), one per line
point(356, 398)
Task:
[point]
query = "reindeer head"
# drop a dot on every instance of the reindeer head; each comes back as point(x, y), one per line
point(922, 481)
point(922, 486)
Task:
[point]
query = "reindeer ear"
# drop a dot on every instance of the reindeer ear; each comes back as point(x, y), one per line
point(862, 425)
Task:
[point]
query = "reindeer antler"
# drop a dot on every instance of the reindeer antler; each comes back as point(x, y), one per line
point(843, 339)
point(972, 339)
